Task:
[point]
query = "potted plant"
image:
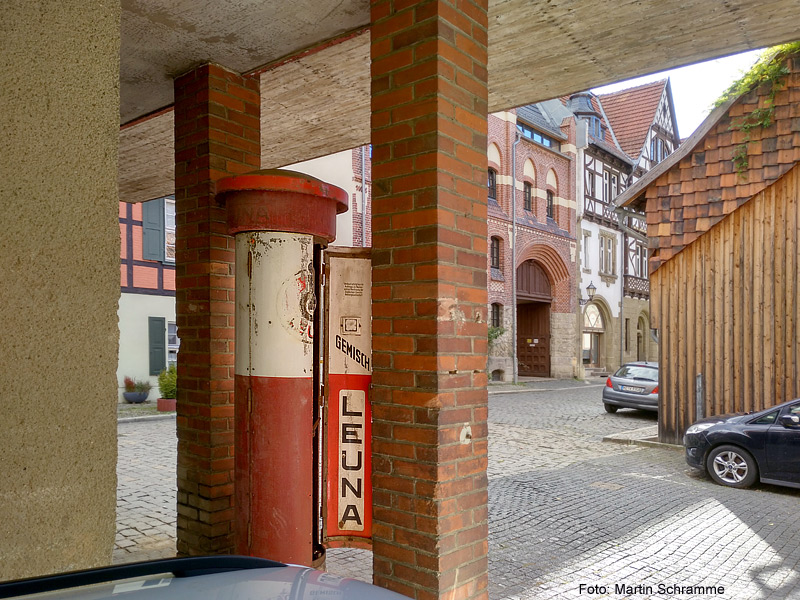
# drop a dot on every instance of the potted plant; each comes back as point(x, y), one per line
point(136, 391)
point(168, 388)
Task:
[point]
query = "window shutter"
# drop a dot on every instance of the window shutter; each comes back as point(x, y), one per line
point(153, 230)
point(157, 330)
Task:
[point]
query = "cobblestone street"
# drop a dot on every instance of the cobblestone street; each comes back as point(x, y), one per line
point(566, 509)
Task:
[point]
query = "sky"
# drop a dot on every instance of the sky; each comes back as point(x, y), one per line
point(696, 87)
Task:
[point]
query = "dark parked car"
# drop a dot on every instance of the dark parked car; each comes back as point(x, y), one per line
point(738, 450)
point(217, 577)
point(634, 385)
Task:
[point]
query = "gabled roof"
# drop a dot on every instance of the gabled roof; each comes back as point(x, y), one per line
point(699, 184)
point(631, 112)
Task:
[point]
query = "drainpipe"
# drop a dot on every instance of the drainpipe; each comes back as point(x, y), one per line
point(623, 267)
point(515, 361)
point(363, 197)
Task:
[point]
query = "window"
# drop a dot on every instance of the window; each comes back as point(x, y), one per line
point(528, 196)
point(156, 330)
point(173, 343)
point(767, 419)
point(592, 319)
point(158, 229)
point(640, 261)
point(492, 184)
point(169, 229)
point(585, 260)
point(497, 315)
point(550, 205)
point(592, 185)
point(495, 253)
point(607, 255)
point(596, 127)
point(535, 136)
point(606, 186)
point(627, 333)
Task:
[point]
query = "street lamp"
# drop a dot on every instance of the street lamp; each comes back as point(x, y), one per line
point(590, 290)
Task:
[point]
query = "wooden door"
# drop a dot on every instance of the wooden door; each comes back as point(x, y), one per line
point(533, 339)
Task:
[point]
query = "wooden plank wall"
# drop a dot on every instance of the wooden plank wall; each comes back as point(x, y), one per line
point(727, 308)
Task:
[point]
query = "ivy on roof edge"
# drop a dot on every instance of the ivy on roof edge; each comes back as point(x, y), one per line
point(770, 69)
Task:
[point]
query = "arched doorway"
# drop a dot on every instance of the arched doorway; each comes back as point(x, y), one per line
point(533, 320)
point(641, 339)
point(593, 329)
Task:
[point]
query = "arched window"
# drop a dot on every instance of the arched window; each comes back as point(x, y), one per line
point(492, 184)
point(497, 315)
point(528, 196)
point(550, 205)
point(592, 319)
point(495, 253)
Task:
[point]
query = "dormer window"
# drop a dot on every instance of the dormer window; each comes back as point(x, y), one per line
point(535, 136)
point(596, 127)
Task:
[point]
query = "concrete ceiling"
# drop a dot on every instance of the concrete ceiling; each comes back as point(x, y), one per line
point(318, 102)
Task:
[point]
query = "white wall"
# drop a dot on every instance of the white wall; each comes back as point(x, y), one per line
point(134, 343)
point(336, 169)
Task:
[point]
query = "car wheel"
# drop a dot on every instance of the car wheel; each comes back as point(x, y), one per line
point(732, 466)
point(610, 408)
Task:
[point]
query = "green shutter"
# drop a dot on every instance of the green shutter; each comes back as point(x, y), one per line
point(153, 230)
point(157, 329)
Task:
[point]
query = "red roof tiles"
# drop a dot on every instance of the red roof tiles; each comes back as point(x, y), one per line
point(631, 112)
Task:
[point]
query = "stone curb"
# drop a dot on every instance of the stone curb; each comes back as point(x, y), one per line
point(641, 437)
point(559, 389)
point(146, 418)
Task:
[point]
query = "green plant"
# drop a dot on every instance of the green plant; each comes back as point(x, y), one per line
point(168, 382)
point(495, 332)
point(771, 70)
point(136, 385)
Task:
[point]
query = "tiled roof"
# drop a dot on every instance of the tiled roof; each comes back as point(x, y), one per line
point(697, 186)
point(631, 112)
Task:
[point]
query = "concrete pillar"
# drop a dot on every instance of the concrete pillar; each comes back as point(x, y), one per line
point(429, 130)
point(277, 218)
point(217, 133)
point(59, 285)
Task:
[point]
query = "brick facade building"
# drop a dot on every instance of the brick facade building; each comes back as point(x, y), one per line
point(541, 171)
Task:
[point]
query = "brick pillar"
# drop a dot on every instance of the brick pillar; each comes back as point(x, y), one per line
point(429, 130)
point(217, 133)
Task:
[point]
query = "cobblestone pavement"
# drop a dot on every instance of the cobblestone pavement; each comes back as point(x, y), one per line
point(147, 490)
point(565, 509)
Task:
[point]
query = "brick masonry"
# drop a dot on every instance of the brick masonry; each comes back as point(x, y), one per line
point(429, 131)
point(550, 242)
point(216, 134)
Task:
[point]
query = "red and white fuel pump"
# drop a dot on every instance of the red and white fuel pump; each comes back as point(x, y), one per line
point(278, 218)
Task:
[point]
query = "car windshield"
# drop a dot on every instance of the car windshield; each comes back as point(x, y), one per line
point(637, 372)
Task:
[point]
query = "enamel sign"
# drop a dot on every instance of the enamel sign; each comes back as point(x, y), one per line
point(348, 511)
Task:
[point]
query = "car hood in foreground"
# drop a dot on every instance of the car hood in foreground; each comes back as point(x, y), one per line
point(276, 583)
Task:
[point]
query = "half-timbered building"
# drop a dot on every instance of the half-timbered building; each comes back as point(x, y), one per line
point(626, 134)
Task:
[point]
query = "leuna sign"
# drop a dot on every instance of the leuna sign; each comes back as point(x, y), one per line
point(348, 497)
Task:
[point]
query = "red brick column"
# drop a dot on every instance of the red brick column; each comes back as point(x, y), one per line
point(217, 133)
point(429, 130)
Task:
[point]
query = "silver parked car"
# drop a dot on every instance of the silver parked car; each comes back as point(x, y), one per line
point(634, 385)
point(197, 578)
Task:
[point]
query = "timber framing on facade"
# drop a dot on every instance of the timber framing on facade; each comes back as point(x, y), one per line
point(724, 266)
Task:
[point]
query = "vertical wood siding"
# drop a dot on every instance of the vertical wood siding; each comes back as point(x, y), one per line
point(727, 308)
